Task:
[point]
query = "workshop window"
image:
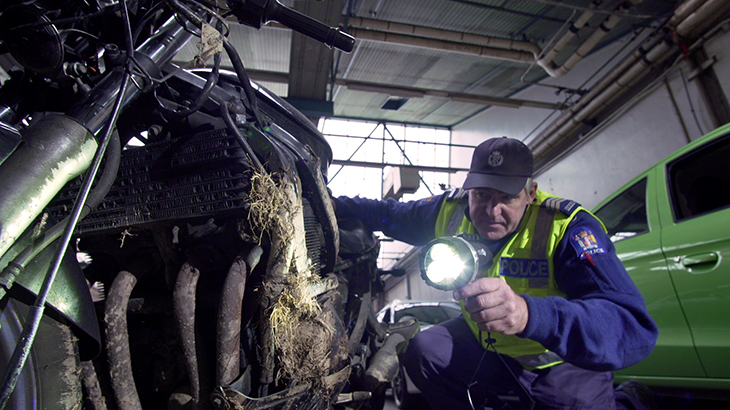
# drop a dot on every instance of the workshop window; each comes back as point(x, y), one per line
point(625, 215)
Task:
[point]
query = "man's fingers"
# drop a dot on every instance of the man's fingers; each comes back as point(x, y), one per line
point(479, 286)
point(481, 301)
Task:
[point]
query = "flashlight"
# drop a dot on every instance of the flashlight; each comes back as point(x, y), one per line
point(451, 262)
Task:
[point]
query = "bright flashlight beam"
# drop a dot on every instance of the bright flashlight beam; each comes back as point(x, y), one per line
point(445, 264)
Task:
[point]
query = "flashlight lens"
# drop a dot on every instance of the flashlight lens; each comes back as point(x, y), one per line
point(443, 264)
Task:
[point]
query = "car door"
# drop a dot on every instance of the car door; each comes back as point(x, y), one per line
point(632, 220)
point(695, 239)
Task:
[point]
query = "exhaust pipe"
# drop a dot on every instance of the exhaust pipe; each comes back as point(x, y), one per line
point(229, 324)
point(120, 360)
point(184, 310)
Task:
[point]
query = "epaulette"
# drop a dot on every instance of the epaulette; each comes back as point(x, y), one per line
point(565, 206)
point(457, 194)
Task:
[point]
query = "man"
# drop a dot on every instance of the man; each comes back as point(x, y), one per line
point(560, 329)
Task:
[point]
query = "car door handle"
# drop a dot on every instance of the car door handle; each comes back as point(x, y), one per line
point(702, 259)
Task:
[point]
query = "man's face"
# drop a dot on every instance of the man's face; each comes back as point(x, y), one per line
point(496, 214)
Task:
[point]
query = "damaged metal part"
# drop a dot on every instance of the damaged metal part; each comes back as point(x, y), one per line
point(384, 364)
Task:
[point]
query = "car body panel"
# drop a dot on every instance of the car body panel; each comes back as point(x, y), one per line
point(702, 281)
point(427, 312)
point(694, 247)
point(644, 260)
point(680, 266)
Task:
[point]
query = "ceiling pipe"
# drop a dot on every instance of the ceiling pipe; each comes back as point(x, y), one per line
point(683, 10)
point(589, 44)
point(591, 9)
point(701, 17)
point(653, 51)
point(488, 46)
point(422, 31)
point(445, 45)
point(546, 62)
point(554, 133)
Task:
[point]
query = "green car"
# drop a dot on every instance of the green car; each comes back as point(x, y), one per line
point(671, 229)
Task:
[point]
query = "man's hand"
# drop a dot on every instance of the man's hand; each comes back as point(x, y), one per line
point(494, 306)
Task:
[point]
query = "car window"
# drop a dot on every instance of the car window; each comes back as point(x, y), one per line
point(431, 315)
point(625, 215)
point(699, 182)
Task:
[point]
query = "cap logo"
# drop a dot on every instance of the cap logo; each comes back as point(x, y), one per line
point(496, 159)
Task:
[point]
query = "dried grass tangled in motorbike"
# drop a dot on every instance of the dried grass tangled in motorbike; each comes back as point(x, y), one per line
point(268, 202)
point(302, 332)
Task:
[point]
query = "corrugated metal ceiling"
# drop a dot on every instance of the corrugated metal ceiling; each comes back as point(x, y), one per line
point(434, 73)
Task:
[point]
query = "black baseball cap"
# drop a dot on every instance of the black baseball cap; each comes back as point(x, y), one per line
point(503, 164)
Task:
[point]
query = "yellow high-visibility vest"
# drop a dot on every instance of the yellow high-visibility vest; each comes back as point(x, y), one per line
point(525, 262)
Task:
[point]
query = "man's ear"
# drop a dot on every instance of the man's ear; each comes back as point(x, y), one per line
point(532, 193)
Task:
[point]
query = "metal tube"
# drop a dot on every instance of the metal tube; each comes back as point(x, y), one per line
point(229, 323)
point(92, 389)
point(441, 34)
point(120, 361)
point(184, 309)
point(547, 60)
point(700, 18)
point(56, 149)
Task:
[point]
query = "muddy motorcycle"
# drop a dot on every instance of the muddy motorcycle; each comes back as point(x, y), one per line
point(166, 233)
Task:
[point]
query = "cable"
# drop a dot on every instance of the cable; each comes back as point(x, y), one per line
point(226, 114)
point(472, 382)
point(689, 100)
point(210, 83)
point(244, 80)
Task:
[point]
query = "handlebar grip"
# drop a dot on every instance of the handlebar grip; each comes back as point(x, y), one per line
point(331, 36)
point(256, 13)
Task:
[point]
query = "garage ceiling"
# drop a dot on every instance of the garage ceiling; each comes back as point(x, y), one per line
point(433, 62)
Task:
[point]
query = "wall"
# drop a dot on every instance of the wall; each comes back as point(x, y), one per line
point(652, 125)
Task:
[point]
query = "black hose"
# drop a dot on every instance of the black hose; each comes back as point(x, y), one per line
point(362, 319)
point(226, 114)
point(210, 83)
point(243, 79)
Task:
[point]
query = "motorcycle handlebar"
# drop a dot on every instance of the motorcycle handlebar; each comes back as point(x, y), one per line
point(256, 13)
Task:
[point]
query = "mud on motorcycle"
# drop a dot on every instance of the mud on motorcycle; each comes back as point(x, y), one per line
point(192, 202)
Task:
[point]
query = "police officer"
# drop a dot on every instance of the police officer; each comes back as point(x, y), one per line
point(553, 316)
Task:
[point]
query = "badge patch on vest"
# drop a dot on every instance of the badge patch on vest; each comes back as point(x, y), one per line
point(586, 243)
